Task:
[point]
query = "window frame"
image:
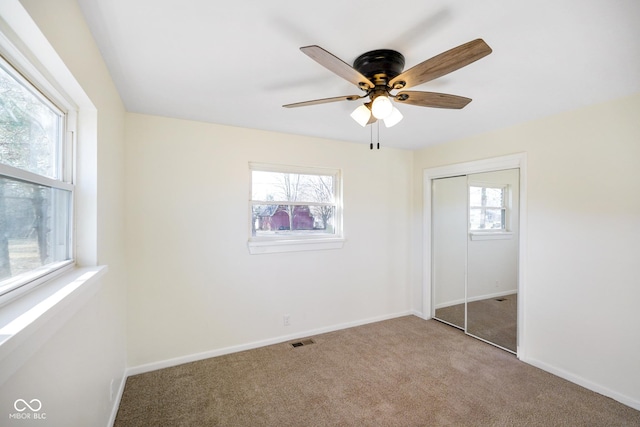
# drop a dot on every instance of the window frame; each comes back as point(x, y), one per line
point(292, 242)
point(21, 68)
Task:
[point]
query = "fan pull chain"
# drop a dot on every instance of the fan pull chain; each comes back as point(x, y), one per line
point(378, 136)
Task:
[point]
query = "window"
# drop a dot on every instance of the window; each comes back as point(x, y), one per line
point(292, 208)
point(36, 193)
point(487, 208)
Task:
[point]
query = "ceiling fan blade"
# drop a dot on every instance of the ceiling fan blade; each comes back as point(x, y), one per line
point(338, 66)
point(442, 64)
point(432, 99)
point(324, 101)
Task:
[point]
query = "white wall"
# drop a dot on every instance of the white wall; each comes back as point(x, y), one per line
point(194, 287)
point(581, 278)
point(71, 373)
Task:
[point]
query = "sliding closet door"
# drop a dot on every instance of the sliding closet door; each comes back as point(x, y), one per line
point(475, 233)
point(492, 257)
point(449, 239)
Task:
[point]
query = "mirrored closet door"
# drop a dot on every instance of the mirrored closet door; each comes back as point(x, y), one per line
point(475, 254)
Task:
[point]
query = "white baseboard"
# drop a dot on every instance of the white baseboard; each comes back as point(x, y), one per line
point(449, 303)
point(118, 398)
point(478, 298)
point(494, 295)
point(420, 314)
point(135, 370)
point(625, 400)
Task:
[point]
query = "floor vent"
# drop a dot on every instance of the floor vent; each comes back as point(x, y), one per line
point(301, 343)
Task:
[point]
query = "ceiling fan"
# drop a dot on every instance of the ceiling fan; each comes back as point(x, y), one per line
point(379, 72)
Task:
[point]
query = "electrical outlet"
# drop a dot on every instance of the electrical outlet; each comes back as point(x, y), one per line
point(286, 319)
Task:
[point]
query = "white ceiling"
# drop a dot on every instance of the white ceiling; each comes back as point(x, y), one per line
point(237, 62)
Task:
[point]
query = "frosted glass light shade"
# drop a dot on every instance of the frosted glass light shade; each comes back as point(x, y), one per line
point(381, 107)
point(361, 115)
point(394, 118)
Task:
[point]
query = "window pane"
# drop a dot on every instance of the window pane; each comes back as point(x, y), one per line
point(475, 196)
point(494, 219)
point(34, 226)
point(494, 197)
point(486, 196)
point(291, 187)
point(476, 219)
point(324, 219)
point(29, 129)
point(269, 220)
point(486, 219)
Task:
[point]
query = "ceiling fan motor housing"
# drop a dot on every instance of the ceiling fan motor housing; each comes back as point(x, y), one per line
point(383, 63)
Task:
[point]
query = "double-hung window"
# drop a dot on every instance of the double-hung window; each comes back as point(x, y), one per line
point(487, 208)
point(36, 188)
point(294, 208)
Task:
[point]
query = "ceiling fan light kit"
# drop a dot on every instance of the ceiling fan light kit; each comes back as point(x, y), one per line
point(364, 115)
point(393, 118)
point(379, 72)
point(381, 107)
point(361, 115)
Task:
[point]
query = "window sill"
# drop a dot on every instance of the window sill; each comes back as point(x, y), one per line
point(278, 246)
point(491, 235)
point(51, 304)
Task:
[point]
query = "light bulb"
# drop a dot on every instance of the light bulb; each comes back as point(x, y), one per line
point(394, 118)
point(381, 107)
point(361, 115)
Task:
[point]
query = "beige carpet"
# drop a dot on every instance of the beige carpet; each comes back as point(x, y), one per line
point(399, 372)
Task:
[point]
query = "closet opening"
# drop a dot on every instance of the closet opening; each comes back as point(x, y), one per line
point(473, 222)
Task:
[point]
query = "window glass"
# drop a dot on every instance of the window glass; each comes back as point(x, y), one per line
point(293, 205)
point(487, 210)
point(292, 187)
point(35, 221)
point(486, 196)
point(29, 128)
